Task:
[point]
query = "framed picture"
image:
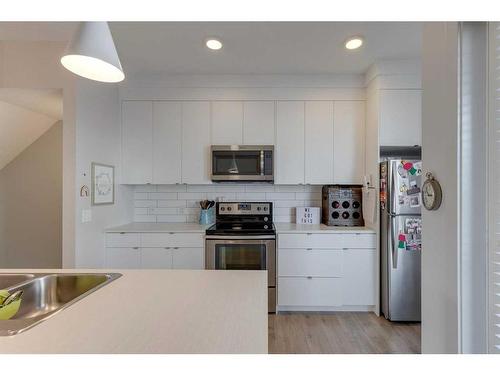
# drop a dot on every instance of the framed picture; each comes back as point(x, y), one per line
point(103, 184)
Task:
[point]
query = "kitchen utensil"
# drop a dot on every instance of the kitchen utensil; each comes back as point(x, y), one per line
point(7, 311)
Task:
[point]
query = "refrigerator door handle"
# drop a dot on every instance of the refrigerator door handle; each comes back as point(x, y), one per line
point(393, 243)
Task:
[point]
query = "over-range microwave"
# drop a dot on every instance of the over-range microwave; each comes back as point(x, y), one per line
point(242, 163)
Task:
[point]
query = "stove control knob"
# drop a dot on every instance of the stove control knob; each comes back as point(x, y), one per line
point(266, 218)
point(259, 208)
point(265, 208)
point(266, 227)
point(229, 208)
point(223, 208)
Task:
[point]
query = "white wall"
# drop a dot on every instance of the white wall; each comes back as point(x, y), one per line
point(98, 139)
point(440, 154)
point(35, 65)
point(474, 182)
point(31, 205)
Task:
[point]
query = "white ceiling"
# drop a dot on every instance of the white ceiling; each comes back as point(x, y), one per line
point(249, 47)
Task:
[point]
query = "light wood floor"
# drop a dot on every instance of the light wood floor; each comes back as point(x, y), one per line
point(340, 333)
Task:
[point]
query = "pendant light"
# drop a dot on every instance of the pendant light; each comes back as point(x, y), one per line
point(91, 54)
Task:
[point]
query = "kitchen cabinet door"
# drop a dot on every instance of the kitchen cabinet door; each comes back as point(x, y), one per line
point(348, 142)
point(400, 117)
point(156, 258)
point(359, 281)
point(123, 257)
point(196, 142)
point(167, 145)
point(137, 142)
point(319, 142)
point(227, 123)
point(258, 123)
point(188, 258)
point(289, 161)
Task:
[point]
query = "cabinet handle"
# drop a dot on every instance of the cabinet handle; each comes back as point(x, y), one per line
point(309, 234)
point(309, 248)
point(309, 277)
point(122, 232)
point(166, 248)
point(135, 248)
point(345, 248)
point(171, 232)
point(176, 248)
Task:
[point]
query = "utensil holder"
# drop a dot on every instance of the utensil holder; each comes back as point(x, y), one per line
point(207, 216)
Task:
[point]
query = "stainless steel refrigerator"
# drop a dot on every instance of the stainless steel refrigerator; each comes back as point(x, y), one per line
point(401, 239)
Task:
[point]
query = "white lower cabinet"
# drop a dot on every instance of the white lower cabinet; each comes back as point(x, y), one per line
point(156, 258)
point(310, 291)
point(188, 258)
point(123, 257)
point(155, 250)
point(331, 271)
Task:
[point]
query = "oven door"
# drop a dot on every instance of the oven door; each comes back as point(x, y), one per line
point(254, 253)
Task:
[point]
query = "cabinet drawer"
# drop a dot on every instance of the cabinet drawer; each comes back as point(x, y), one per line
point(303, 291)
point(123, 257)
point(310, 262)
point(172, 240)
point(189, 258)
point(310, 240)
point(123, 240)
point(359, 241)
point(156, 258)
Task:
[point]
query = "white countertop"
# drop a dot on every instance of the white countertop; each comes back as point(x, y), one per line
point(318, 228)
point(174, 311)
point(159, 227)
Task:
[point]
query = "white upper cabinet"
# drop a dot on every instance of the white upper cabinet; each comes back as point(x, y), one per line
point(227, 123)
point(400, 117)
point(196, 142)
point(348, 142)
point(289, 161)
point(167, 148)
point(319, 142)
point(137, 142)
point(258, 123)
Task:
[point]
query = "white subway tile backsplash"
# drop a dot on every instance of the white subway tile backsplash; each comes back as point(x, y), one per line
point(171, 188)
point(180, 203)
point(172, 203)
point(145, 188)
point(192, 196)
point(144, 203)
point(145, 218)
point(163, 195)
point(290, 188)
point(280, 196)
point(257, 188)
point(164, 211)
point(140, 211)
point(140, 195)
point(171, 218)
point(251, 196)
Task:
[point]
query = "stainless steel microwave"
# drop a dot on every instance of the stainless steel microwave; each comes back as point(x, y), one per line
point(242, 163)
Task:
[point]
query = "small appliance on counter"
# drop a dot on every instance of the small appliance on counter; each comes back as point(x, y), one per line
point(342, 205)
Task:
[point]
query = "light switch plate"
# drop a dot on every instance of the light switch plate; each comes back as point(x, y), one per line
point(86, 215)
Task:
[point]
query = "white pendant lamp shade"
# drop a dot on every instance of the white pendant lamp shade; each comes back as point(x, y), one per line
point(91, 54)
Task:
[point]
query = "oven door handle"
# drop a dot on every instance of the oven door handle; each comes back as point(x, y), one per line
point(239, 238)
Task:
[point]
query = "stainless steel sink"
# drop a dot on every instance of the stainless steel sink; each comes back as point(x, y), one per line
point(46, 294)
point(9, 279)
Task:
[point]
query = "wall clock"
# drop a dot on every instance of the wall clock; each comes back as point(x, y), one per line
point(431, 193)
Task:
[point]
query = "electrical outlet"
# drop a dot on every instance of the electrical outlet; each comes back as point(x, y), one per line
point(86, 215)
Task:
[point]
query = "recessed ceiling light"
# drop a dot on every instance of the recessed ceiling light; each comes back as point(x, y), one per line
point(213, 43)
point(354, 42)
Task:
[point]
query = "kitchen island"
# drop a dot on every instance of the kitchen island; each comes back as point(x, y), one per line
point(156, 311)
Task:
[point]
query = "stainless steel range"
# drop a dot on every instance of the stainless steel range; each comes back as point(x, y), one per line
point(244, 238)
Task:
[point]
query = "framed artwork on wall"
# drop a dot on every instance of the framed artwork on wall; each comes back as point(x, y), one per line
point(103, 184)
